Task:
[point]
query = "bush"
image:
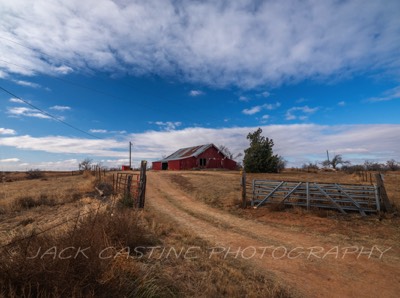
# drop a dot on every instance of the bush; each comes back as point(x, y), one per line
point(352, 169)
point(310, 167)
point(29, 202)
point(127, 200)
point(34, 174)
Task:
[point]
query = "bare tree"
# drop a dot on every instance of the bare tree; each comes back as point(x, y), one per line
point(227, 152)
point(336, 160)
point(86, 164)
point(392, 165)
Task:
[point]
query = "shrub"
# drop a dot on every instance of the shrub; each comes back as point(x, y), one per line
point(29, 202)
point(127, 200)
point(34, 174)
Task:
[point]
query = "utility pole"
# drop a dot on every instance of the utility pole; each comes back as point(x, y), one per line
point(130, 155)
point(327, 154)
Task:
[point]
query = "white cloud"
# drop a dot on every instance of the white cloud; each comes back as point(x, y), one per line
point(26, 83)
point(9, 160)
point(252, 110)
point(168, 125)
point(264, 94)
point(7, 131)
point(256, 109)
point(243, 43)
point(98, 130)
point(196, 92)
point(388, 95)
point(15, 100)
point(63, 69)
point(265, 117)
point(298, 143)
point(306, 110)
point(26, 112)
point(341, 103)
point(244, 98)
point(66, 145)
point(61, 108)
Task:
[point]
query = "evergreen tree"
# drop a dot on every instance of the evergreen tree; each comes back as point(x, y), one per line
point(259, 157)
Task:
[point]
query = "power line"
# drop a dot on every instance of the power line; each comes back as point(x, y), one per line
point(50, 115)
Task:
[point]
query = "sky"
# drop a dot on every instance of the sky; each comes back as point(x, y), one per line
point(82, 79)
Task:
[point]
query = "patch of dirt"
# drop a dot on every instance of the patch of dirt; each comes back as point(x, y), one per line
point(332, 271)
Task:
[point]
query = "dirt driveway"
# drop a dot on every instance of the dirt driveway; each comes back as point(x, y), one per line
point(315, 265)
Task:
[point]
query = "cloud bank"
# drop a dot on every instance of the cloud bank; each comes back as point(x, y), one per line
point(298, 143)
point(242, 43)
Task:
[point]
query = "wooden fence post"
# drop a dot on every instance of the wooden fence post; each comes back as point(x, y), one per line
point(142, 185)
point(244, 200)
point(382, 193)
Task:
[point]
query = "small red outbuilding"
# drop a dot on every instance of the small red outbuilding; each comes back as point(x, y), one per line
point(204, 156)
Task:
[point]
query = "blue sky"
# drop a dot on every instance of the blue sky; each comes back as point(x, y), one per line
point(314, 75)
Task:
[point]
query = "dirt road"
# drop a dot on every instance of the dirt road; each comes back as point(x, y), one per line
point(315, 266)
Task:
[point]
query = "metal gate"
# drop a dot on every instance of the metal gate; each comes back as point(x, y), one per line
point(342, 197)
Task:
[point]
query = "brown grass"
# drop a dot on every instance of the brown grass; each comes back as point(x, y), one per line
point(30, 193)
point(222, 189)
point(129, 273)
point(82, 274)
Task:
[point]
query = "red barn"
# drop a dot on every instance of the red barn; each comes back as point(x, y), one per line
point(205, 156)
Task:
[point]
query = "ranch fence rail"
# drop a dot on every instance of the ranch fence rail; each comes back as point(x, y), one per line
point(342, 197)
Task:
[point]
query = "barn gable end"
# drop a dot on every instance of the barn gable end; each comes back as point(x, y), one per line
point(205, 156)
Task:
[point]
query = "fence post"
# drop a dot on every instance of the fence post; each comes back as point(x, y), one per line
point(142, 184)
point(382, 193)
point(243, 182)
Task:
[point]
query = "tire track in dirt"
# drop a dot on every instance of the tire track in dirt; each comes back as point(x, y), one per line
point(314, 277)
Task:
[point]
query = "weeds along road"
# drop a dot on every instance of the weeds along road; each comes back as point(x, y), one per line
point(311, 275)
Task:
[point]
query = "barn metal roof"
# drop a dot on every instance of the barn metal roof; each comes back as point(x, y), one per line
point(188, 152)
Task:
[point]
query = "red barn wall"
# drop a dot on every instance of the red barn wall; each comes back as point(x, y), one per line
point(214, 160)
point(174, 165)
point(156, 165)
point(229, 164)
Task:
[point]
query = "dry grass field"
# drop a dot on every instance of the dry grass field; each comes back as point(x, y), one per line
point(50, 264)
point(184, 242)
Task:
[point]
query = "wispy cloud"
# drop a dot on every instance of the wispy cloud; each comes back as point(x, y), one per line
point(168, 125)
point(26, 84)
point(264, 94)
point(98, 130)
point(244, 98)
point(15, 100)
point(7, 131)
point(304, 113)
point(252, 111)
point(26, 112)
point(388, 95)
point(59, 144)
point(256, 109)
point(196, 92)
point(60, 108)
point(341, 103)
point(10, 160)
point(240, 43)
